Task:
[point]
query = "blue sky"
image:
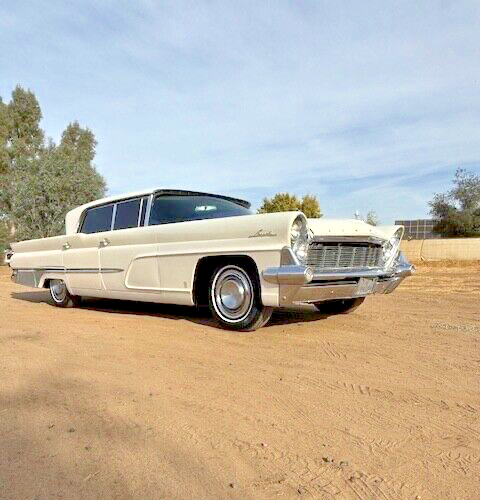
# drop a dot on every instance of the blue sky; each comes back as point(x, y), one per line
point(369, 105)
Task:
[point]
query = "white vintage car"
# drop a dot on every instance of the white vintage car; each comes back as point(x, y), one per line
point(190, 248)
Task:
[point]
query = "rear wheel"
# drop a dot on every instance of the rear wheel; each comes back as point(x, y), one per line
point(234, 299)
point(343, 306)
point(61, 296)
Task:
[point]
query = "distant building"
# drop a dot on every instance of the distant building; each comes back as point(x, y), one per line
point(419, 229)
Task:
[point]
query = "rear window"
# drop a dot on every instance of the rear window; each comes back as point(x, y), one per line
point(97, 220)
point(167, 209)
point(127, 214)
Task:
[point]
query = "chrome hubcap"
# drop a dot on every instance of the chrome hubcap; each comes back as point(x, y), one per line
point(232, 294)
point(58, 289)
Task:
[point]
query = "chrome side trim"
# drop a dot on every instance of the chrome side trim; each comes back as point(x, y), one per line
point(53, 269)
point(32, 277)
point(93, 270)
point(71, 270)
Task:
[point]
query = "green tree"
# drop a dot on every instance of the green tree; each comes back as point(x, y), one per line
point(78, 144)
point(4, 238)
point(50, 186)
point(457, 212)
point(41, 182)
point(311, 207)
point(286, 202)
point(20, 137)
point(5, 134)
point(24, 118)
point(372, 218)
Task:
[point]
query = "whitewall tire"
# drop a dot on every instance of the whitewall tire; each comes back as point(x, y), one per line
point(60, 295)
point(234, 299)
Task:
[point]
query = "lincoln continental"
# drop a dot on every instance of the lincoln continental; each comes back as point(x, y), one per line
point(198, 249)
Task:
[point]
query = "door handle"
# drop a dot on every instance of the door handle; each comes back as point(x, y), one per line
point(66, 245)
point(105, 242)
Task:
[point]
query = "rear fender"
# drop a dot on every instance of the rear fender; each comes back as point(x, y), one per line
point(43, 281)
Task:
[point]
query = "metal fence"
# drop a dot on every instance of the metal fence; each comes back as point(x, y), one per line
point(419, 229)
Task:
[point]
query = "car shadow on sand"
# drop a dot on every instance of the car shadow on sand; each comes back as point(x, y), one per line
point(198, 315)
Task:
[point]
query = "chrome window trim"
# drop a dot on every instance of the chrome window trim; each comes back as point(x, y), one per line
point(127, 200)
point(143, 211)
point(81, 220)
point(140, 211)
point(100, 205)
point(149, 209)
point(114, 214)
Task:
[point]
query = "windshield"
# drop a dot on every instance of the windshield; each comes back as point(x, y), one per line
point(167, 209)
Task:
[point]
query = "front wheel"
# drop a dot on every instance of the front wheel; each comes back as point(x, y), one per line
point(61, 296)
point(343, 306)
point(234, 299)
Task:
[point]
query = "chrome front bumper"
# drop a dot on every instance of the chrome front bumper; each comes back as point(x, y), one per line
point(302, 285)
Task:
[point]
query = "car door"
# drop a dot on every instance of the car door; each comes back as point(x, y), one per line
point(81, 250)
point(178, 246)
point(128, 253)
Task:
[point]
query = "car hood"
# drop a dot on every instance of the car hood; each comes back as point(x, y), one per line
point(349, 227)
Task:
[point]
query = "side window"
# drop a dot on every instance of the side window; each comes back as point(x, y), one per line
point(127, 213)
point(97, 220)
point(179, 208)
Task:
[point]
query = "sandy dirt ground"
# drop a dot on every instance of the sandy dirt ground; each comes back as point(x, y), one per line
point(133, 401)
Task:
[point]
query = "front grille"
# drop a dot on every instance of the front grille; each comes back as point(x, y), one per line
point(344, 255)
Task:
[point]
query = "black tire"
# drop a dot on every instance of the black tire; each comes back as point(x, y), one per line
point(343, 306)
point(61, 296)
point(234, 299)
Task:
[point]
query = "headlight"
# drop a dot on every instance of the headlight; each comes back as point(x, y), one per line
point(390, 248)
point(299, 238)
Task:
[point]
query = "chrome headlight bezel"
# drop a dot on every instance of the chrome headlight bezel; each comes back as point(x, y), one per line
point(300, 238)
point(391, 248)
